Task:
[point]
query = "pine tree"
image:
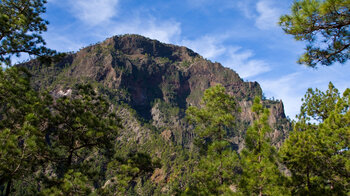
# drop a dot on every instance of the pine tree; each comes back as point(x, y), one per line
point(73, 183)
point(214, 119)
point(317, 154)
point(216, 171)
point(260, 175)
point(20, 29)
point(122, 173)
point(23, 114)
point(79, 123)
point(324, 24)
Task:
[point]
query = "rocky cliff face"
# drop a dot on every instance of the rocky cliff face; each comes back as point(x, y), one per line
point(158, 82)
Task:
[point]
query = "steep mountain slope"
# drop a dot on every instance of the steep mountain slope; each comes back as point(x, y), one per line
point(151, 84)
point(157, 80)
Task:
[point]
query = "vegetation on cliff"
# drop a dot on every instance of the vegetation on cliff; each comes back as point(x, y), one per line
point(134, 116)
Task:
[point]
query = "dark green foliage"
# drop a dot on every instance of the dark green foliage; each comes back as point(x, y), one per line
point(317, 154)
point(68, 145)
point(22, 119)
point(215, 119)
point(186, 63)
point(85, 122)
point(216, 173)
point(260, 175)
point(318, 105)
point(73, 183)
point(79, 151)
point(123, 173)
point(81, 130)
point(219, 164)
point(164, 60)
point(20, 29)
point(324, 24)
point(59, 136)
point(167, 108)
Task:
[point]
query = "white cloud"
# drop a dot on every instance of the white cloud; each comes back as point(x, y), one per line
point(289, 89)
point(292, 87)
point(268, 15)
point(265, 13)
point(164, 31)
point(208, 46)
point(234, 57)
point(167, 31)
point(245, 6)
point(94, 12)
point(243, 62)
point(62, 43)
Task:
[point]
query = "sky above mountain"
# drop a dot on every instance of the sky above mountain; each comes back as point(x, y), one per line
point(240, 34)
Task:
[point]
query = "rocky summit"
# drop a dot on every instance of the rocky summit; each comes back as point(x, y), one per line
point(151, 84)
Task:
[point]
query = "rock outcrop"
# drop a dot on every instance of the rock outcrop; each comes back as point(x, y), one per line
point(158, 82)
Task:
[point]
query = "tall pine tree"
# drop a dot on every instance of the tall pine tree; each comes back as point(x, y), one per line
point(260, 175)
point(317, 151)
point(216, 171)
point(23, 117)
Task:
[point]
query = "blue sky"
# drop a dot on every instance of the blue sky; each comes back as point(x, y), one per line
point(240, 34)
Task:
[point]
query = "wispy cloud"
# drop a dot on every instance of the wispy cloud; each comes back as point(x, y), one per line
point(234, 57)
point(245, 6)
point(163, 30)
point(209, 47)
point(292, 87)
point(265, 12)
point(62, 43)
point(94, 12)
point(288, 89)
point(107, 21)
point(244, 63)
point(251, 44)
point(268, 15)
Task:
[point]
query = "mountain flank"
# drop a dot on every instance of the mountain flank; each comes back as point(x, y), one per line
point(158, 81)
point(151, 84)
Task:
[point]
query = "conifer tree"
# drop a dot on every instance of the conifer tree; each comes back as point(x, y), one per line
point(21, 27)
point(216, 171)
point(81, 122)
point(23, 116)
point(214, 119)
point(73, 183)
point(123, 172)
point(80, 129)
point(317, 154)
point(260, 173)
point(324, 24)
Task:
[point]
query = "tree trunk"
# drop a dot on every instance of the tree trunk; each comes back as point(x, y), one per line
point(70, 157)
point(8, 187)
point(308, 178)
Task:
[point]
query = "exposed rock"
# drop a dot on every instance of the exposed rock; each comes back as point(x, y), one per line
point(150, 85)
point(167, 135)
point(158, 81)
point(158, 176)
point(64, 93)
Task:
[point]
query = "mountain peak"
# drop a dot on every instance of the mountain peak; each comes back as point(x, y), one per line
point(151, 77)
point(132, 44)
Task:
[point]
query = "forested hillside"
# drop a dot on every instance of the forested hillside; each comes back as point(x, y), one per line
point(134, 116)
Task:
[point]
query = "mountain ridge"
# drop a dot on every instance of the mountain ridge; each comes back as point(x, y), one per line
point(150, 86)
point(156, 80)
